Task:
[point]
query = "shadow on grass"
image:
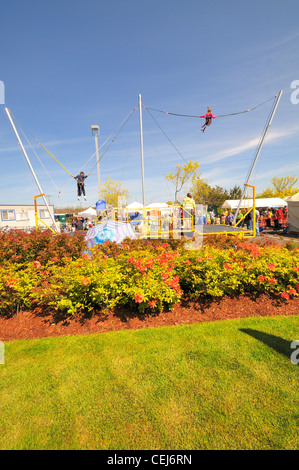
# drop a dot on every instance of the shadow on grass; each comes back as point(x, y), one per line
point(282, 346)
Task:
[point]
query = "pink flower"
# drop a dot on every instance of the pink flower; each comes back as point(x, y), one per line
point(36, 264)
point(138, 298)
point(285, 295)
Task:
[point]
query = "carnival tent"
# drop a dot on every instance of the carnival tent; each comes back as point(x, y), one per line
point(89, 213)
point(262, 202)
point(293, 213)
point(109, 230)
point(134, 207)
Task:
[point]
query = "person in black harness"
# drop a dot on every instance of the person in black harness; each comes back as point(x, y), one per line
point(80, 184)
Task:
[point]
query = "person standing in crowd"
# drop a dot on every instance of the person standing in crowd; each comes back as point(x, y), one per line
point(58, 224)
point(79, 224)
point(279, 214)
point(268, 218)
point(229, 218)
point(239, 217)
point(257, 216)
point(274, 219)
point(189, 210)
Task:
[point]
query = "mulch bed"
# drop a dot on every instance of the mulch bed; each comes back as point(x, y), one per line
point(37, 324)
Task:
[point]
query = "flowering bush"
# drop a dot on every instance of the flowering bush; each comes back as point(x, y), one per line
point(17, 246)
point(246, 269)
point(148, 276)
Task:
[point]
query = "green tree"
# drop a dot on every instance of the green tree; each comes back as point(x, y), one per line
point(281, 187)
point(112, 190)
point(235, 192)
point(203, 193)
point(183, 175)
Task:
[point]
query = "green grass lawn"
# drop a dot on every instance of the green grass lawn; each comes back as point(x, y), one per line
point(218, 385)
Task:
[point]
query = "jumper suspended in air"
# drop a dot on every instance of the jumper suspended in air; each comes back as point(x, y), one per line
point(80, 184)
point(208, 119)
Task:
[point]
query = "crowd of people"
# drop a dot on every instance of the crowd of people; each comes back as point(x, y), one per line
point(77, 224)
point(268, 218)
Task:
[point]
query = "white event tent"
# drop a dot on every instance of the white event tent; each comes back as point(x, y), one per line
point(134, 207)
point(293, 213)
point(89, 213)
point(247, 203)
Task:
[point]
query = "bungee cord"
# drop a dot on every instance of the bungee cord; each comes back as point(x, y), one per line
point(115, 133)
point(218, 116)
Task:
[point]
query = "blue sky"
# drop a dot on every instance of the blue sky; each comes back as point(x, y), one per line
point(69, 64)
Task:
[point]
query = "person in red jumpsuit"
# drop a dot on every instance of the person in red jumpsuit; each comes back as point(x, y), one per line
point(208, 119)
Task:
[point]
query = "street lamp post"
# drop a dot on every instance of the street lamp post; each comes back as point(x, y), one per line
point(95, 131)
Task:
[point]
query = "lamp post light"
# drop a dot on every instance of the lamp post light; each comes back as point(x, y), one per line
point(95, 131)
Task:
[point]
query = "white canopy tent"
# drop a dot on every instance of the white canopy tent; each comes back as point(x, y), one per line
point(158, 205)
point(134, 207)
point(247, 203)
point(293, 213)
point(89, 213)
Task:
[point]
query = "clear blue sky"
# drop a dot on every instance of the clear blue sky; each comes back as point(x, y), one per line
point(69, 64)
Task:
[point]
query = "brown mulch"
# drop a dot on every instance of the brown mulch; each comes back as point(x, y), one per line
point(36, 324)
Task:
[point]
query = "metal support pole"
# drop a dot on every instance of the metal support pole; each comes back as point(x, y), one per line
point(98, 165)
point(258, 152)
point(141, 149)
point(32, 170)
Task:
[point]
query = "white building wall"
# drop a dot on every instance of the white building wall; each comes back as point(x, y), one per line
point(18, 216)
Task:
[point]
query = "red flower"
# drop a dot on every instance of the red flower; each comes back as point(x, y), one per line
point(85, 256)
point(10, 283)
point(188, 261)
point(228, 266)
point(271, 266)
point(261, 278)
point(152, 303)
point(274, 281)
point(292, 291)
point(85, 281)
point(199, 260)
point(285, 295)
point(36, 264)
point(138, 298)
point(296, 268)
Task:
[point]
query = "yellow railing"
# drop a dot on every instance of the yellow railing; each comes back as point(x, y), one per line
point(37, 217)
